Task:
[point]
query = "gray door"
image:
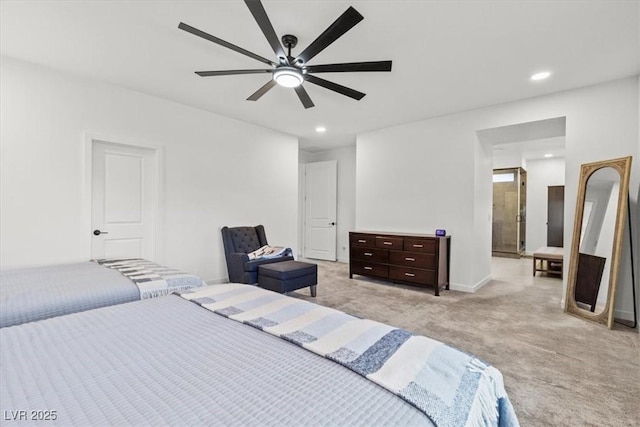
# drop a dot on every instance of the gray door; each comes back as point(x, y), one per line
point(555, 216)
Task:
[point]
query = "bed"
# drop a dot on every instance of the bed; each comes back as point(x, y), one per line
point(31, 294)
point(233, 355)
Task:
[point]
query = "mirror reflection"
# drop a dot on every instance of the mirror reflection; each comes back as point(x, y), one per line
point(596, 239)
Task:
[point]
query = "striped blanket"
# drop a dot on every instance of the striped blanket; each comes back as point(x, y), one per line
point(451, 387)
point(152, 280)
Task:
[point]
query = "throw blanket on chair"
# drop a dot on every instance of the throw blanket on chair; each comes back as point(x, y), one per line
point(269, 252)
point(152, 280)
point(451, 387)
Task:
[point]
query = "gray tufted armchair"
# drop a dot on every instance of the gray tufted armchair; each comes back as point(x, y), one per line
point(238, 242)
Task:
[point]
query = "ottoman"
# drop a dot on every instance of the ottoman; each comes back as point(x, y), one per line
point(287, 276)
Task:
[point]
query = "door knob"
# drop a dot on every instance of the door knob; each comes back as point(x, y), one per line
point(332, 223)
point(98, 232)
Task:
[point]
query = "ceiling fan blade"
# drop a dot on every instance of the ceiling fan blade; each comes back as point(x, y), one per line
point(344, 23)
point(264, 89)
point(351, 66)
point(304, 97)
point(216, 40)
point(260, 15)
point(231, 72)
point(351, 93)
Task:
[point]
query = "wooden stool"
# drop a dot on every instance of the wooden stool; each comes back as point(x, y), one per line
point(550, 260)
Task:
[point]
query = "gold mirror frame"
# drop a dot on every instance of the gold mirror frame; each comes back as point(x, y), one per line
point(623, 167)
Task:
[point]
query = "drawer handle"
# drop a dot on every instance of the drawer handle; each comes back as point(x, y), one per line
point(410, 274)
point(388, 243)
point(368, 254)
point(409, 259)
point(368, 268)
point(362, 241)
point(418, 246)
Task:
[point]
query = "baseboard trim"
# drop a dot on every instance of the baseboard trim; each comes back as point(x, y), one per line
point(623, 315)
point(342, 260)
point(470, 289)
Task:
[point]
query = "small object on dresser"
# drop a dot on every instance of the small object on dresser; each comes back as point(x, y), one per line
point(441, 232)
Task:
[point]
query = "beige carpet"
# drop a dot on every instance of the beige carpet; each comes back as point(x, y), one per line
point(559, 370)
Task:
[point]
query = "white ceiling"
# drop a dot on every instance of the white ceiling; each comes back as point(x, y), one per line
point(520, 132)
point(448, 56)
point(537, 149)
point(520, 142)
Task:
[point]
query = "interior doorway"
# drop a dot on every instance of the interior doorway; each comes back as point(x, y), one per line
point(320, 210)
point(509, 212)
point(123, 214)
point(555, 215)
point(538, 147)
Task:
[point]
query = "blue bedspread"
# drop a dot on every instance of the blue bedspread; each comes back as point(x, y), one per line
point(168, 362)
point(31, 294)
point(451, 387)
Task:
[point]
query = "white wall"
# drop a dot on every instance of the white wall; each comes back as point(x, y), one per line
point(483, 218)
point(213, 169)
point(508, 159)
point(624, 294)
point(541, 174)
point(627, 294)
point(421, 176)
point(345, 222)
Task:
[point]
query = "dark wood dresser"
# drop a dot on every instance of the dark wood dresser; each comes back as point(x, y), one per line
point(415, 259)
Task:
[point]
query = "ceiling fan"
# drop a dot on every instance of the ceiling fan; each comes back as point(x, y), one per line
point(289, 71)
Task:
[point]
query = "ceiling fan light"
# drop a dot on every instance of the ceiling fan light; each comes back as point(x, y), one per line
point(288, 76)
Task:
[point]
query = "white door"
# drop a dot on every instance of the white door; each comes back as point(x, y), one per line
point(123, 201)
point(320, 210)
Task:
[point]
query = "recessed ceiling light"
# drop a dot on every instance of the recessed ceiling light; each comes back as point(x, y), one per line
point(321, 129)
point(540, 76)
point(548, 155)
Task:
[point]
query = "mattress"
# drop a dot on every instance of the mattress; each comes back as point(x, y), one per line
point(452, 387)
point(31, 294)
point(110, 367)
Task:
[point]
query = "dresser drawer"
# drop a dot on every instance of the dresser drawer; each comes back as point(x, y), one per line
point(369, 254)
point(413, 275)
point(413, 259)
point(389, 242)
point(366, 240)
point(369, 269)
point(420, 245)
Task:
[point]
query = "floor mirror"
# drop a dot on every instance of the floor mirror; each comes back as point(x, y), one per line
point(599, 225)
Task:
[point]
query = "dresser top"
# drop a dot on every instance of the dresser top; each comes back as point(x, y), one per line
point(393, 233)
